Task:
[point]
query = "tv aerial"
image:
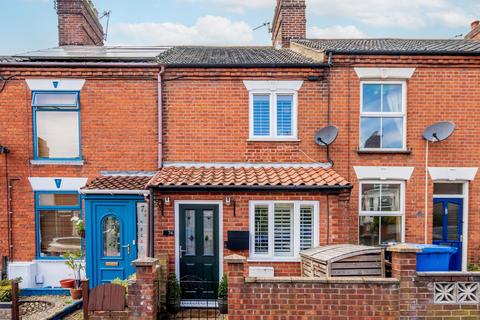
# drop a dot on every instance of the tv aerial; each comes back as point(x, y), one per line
point(325, 137)
point(434, 133)
point(266, 24)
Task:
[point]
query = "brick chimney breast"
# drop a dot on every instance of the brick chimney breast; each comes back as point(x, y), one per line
point(78, 23)
point(289, 22)
point(474, 34)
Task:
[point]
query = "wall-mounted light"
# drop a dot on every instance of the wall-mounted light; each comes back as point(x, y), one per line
point(228, 201)
point(167, 200)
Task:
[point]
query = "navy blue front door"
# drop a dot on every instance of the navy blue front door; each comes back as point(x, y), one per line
point(111, 240)
point(448, 227)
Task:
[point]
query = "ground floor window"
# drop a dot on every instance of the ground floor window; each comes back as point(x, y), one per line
point(281, 229)
point(381, 212)
point(56, 230)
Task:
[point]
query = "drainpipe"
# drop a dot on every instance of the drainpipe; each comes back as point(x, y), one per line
point(151, 222)
point(329, 103)
point(160, 115)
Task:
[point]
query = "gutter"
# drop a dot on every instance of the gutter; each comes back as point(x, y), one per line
point(249, 65)
point(400, 53)
point(113, 191)
point(217, 188)
point(80, 64)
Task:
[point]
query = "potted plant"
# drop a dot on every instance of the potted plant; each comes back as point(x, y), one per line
point(67, 283)
point(75, 262)
point(79, 226)
point(223, 295)
point(174, 293)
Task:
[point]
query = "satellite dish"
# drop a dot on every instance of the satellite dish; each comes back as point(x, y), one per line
point(326, 136)
point(439, 131)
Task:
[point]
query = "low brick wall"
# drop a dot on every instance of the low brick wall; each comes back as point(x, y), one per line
point(408, 295)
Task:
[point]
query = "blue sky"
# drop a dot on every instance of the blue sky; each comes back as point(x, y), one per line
point(32, 24)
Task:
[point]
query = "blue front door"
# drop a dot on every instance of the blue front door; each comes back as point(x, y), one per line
point(448, 227)
point(111, 240)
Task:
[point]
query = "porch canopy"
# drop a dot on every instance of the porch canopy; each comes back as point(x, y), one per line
point(304, 177)
point(117, 184)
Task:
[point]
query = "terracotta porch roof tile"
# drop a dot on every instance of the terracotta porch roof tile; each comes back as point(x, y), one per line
point(224, 176)
point(118, 183)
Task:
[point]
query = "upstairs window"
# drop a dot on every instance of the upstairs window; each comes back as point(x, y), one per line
point(382, 115)
point(56, 119)
point(273, 110)
point(281, 229)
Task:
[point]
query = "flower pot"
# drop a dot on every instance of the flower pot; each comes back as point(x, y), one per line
point(223, 305)
point(67, 283)
point(76, 293)
point(173, 305)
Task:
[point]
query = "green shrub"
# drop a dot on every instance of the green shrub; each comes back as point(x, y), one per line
point(173, 290)
point(5, 291)
point(223, 287)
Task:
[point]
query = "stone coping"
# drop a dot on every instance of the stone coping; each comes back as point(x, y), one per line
point(404, 248)
point(235, 259)
point(333, 280)
point(145, 262)
point(449, 274)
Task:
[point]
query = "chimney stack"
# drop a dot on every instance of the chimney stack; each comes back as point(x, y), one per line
point(289, 22)
point(78, 23)
point(474, 34)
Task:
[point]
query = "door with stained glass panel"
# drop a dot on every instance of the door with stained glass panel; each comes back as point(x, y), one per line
point(114, 240)
point(199, 250)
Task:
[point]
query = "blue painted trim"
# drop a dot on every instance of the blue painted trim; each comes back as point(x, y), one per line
point(38, 208)
point(37, 92)
point(54, 108)
point(44, 292)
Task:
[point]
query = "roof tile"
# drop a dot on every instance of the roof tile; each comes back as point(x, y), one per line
point(118, 183)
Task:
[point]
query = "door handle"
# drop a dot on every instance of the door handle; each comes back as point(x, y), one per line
point(128, 248)
point(182, 251)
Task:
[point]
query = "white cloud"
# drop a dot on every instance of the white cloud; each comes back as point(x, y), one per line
point(394, 13)
point(344, 32)
point(208, 30)
point(238, 6)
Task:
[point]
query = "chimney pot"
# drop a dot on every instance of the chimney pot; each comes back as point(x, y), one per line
point(475, 24)
point(289, 22)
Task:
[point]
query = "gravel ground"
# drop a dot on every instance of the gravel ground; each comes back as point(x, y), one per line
point(42, 307)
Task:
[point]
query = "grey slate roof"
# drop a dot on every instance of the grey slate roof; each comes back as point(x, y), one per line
point(193, 56)
point(394, 46)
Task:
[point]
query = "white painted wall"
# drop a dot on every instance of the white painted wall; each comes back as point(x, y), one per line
point(40, 273)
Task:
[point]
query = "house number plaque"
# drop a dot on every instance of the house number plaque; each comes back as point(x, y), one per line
point(142, 229)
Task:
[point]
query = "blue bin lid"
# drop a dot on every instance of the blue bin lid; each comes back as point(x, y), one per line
point(433, 248)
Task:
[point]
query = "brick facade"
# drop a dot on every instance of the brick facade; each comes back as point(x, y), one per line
point(289, 22)
point(118, 133)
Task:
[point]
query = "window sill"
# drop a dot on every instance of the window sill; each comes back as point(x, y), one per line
point(386, 151)
point(274, 260)
point(58, 162)
point(273, 140)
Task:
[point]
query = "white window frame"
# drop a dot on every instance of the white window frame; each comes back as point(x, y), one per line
point(274, 89)
point(270, 256)
point(400, 213)
point(402, 114)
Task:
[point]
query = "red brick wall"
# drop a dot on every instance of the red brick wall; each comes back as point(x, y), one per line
point(336, 229)
point(119, 132)
point(289, 22)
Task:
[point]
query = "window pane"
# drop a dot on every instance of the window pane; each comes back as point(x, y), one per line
point(261, 115)
point(392, 133)
point(390, 229)
point(392, 98)
point(370, 132)
point(55, 99)
point(447, 188)
point(390, 197)
point(370, 197)
point(283, 228)
point(372, 98)
point(111, 237)
point(368, 230)
point(57, 134)
point(190, 232)
point(438, 221)
point(208, 240)
point(284, 115)
point(306, 227)
point(58, 199)
point(58, 234)
point(261, 229)
point(452, 221)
